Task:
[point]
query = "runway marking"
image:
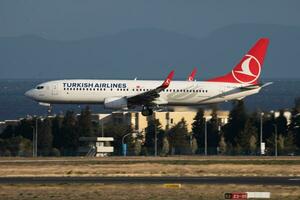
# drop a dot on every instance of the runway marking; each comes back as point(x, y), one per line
point(294, 179)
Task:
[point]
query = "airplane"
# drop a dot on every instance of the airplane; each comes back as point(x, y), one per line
point(149, 95)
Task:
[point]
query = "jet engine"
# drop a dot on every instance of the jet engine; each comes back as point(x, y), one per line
point(115, 102)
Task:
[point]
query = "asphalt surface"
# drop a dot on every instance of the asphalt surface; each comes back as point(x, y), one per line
point(291, 181)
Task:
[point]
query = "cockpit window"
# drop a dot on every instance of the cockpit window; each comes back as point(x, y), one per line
point(39, 87)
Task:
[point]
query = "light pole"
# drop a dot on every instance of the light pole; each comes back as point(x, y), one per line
point(155, 140)
point(33, 143)
point(205, 137)
point(261, 132)
point(102, 128)
point(124, 145)
point(34, 137)
point(275, 128)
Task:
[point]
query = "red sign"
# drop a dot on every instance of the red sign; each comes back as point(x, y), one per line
point(236, 195)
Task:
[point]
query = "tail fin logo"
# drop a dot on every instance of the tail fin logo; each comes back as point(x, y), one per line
point(248, 70)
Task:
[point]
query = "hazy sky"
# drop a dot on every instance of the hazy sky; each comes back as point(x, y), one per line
point(75, 19)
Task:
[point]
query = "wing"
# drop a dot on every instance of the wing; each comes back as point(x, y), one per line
point(147, 98)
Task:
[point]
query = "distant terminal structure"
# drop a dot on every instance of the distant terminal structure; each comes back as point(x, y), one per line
point(167, 119)
point(103, 146)
point(96, 146)
point(140, 122)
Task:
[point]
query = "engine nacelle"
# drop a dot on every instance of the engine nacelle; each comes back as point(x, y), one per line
point(115, 103)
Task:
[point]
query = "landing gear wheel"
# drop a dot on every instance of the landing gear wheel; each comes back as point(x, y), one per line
point(146, 111)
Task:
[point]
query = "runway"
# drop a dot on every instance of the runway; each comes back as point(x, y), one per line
point(290, 181)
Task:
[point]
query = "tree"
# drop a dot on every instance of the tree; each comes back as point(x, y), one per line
point(281, 123)
point(137, 147)
point(237, 120)
point(45, 137)
point(268, 126)
point(194, 146)
point(154, 127)
point(165, 147)
point(56, 132)
point(198, 128)
point(25, 128)
point(85, 125)
point(253, 144)
point(213, 132)
point(70, 134)
point(247, 138)
point(280, 143)
point(294, 126)
point(179, 138)
point(289, 143)
point(18, 146)
point(222, 145)
point(8, 132)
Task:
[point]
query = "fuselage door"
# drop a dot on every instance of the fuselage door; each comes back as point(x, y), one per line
point(54, 90)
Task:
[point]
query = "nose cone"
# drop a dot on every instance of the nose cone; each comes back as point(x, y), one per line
point(29, 94)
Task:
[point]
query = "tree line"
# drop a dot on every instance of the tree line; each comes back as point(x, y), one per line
point(59, 136)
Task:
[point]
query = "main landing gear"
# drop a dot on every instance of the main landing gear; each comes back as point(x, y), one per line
point(146, 111)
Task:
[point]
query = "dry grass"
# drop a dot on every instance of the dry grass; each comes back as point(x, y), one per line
point(132, 191)
point(149, 166)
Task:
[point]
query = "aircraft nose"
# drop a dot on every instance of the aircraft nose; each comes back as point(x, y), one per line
point(29, 93)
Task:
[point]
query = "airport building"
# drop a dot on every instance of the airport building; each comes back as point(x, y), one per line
point(140, 122)
point(167, 119)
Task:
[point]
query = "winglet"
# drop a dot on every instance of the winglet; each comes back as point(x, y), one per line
point(168, 80)
point(192, 75)
point(267, 84)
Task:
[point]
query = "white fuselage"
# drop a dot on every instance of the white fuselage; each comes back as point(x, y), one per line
point(179, 93)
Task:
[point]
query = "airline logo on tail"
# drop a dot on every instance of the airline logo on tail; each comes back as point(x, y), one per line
point(248, 70)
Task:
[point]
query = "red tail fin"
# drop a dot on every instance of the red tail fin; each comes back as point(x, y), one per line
point(249, 68)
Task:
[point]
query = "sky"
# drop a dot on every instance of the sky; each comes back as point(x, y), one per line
point(78, 19)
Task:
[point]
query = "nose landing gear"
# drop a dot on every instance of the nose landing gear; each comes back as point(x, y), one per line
point(48, 105)
point(49, 110)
